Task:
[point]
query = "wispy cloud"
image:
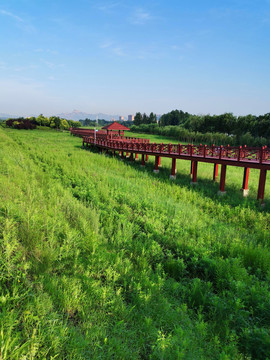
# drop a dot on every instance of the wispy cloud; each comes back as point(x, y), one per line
point(113, 48)
point(21, 23)
point(7, 13)
point(140, 17)
point(118, 51)
point(3, 65)
point(24, 68)
point(51, 65)
point(106, 45)
point(109, 6)
point(17, 69)
point(49, 51)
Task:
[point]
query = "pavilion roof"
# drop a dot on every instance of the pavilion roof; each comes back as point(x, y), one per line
point(115, 126)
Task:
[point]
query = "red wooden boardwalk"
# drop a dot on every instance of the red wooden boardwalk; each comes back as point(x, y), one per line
point(246, 157)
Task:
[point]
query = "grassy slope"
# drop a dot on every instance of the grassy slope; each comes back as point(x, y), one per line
point(101, 259)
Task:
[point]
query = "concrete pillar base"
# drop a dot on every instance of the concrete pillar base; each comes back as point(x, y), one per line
point(245, 192)
point(221, 193)
point(172, 177)
point(156, 171)
point(193, 183)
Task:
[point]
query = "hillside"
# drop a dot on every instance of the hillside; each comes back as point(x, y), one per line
point(101, 259)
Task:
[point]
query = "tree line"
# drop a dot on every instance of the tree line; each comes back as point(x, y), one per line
point(140, 119)
point(54, 122)
point(227, 123)
point(226, 128)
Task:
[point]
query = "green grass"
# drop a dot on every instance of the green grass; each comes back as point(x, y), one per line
point(101, 259)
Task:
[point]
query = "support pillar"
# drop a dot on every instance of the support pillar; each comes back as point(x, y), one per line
point(245, 182)
point(191, 168)
point(173, 172)
point(194, 173)
point(261, 187)
point(127, 154)
point(146, 157)
point(159, 161)
point(131, 158)
point(215, 172)
point(156, 170)
point(143, 162)
point(222, 180)
point(122, 155)
point(136, 156)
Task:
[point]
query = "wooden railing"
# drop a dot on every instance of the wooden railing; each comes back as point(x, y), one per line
point(232, 153)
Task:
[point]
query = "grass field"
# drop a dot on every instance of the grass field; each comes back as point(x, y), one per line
point(101, 259)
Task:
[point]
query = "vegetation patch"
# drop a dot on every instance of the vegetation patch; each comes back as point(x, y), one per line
point(101, 259)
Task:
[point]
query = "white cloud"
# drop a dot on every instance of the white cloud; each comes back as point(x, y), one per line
point(140, 17)
point(52, 65)
point(113, 48)
point(106, 45)
point(7, 13)
point(108, 7)
point(49, 51)
point(21, 23)
point(118, 51)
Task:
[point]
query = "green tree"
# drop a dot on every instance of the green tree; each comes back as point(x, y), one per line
point(138, 119)
point(56, 120)
point(152, 118)
point(64, 124)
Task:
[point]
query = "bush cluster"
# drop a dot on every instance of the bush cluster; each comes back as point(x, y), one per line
point(54, 122)
point(21, 123)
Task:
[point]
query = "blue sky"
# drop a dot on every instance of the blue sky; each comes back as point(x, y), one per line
point(120, 57)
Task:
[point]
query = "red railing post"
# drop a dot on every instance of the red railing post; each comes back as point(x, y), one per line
point(220, 151)
point(239, 153)
point(227, 150)
point(244, 151)
point(261, 154)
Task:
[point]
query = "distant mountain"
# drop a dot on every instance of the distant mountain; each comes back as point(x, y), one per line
point(7, 116)
point(79, 115)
